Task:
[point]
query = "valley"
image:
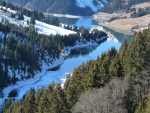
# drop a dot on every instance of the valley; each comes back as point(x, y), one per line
point(74, 56)
point(22, 80)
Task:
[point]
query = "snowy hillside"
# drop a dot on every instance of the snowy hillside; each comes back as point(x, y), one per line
point(94, 5)
point(47, 29)
point(41, 27)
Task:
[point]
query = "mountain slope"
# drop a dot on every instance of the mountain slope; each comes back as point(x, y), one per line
point(115, 5)
point(77, 7)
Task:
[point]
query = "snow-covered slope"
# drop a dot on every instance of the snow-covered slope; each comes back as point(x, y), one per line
point(47, 29)
point(41, 27)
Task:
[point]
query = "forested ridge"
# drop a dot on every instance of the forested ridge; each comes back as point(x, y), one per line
point(117, 82)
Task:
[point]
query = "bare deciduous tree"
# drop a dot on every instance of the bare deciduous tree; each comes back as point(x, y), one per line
point(110, 99)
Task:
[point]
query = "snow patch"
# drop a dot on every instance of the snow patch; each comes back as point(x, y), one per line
point(63, 15)
point(109, 34)
point(94, 5)
point(47, 29)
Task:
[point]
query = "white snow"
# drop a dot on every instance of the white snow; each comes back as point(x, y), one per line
point(78, 45)
point(11, 11)
point(30, 82)
point(47, 29)
point(90, 4)
point(63, 15)
point(109, 34)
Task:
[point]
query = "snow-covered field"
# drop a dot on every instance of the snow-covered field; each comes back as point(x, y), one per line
point(47, 29)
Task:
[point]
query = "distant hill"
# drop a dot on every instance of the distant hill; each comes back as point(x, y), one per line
point(76, 7)
point(115, 5)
